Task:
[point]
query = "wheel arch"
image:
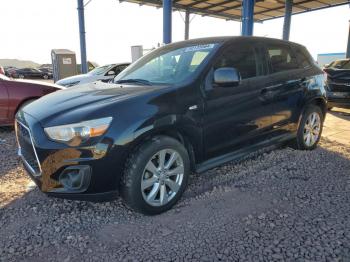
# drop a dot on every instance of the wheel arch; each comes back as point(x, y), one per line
point(321, 103)
point(173, 132)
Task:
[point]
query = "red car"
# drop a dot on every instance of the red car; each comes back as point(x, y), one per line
point(15, 94)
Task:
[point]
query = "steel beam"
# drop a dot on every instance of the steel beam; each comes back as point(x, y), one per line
point(348, 47)
point(287, 19)
point(167, 12)
point(248, 17)
point(84, 68)
point(187, 24)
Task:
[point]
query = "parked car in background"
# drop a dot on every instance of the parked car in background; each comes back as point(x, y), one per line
point(9, 70)
point(47, 70)
point(102, 73)
point(338, 83)
point(30, 73)
point(187, 106)
point(15, 94)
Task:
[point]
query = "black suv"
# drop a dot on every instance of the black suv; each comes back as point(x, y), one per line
point(338, 83)
point(187, 106)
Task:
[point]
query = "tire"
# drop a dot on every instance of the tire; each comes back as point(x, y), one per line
point(303, 141)
point(142, 178)
point(21, 76)
point(46, 77)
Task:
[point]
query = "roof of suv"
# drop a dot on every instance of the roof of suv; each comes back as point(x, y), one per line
point(226, 39)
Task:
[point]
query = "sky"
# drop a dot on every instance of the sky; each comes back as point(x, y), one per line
point(31, 28)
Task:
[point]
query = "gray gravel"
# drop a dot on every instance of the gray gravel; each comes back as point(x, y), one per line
point(283, 205)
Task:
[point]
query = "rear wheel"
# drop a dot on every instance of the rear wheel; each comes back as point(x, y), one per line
point(21, 76)
point(155, 175)
point(46, 77)
point(310, 129)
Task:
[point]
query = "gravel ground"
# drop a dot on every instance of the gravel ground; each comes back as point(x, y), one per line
point(282, 205)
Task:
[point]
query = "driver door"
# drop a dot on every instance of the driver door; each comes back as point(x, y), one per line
point(236, 116)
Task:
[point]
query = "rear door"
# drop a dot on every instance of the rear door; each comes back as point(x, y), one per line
point(237, 116)
point(286, 85)
point(4, 100)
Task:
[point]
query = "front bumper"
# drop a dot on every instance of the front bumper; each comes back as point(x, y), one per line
point(338, 99)
point(84, 173)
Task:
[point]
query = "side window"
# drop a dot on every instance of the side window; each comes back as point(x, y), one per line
point(303, 56)
point(281, 58)
point(243, 58)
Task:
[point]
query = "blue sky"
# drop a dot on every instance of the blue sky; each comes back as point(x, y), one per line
point(32, 28)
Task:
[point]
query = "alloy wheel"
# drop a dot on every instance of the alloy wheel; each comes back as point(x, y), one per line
point(312, 129)
point(162, 177)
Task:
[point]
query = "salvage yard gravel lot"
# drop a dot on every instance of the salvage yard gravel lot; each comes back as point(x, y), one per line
point(280, 205)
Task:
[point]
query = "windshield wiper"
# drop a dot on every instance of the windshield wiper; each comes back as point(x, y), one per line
point(140, 81)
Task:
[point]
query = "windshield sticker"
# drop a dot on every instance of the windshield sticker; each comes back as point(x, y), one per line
point(199, 47)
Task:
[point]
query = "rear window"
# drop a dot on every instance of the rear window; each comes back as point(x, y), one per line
point(281, 58)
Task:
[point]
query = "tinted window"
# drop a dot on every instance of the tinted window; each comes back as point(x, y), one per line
point(243, 58)
point(303, 56)
point(281, 58)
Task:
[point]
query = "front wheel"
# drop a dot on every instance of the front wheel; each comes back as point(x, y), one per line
point(155, 175)
point(310, 128)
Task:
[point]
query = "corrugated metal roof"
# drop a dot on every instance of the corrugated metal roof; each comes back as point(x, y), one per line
point(231, 9)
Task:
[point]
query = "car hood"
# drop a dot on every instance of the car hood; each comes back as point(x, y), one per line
point(72, 79)
point(84, 102)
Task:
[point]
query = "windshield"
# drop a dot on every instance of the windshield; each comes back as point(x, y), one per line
point(167, 66)
point(340, 64)
point(99, 70)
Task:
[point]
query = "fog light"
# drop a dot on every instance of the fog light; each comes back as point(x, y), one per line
point(75, 179)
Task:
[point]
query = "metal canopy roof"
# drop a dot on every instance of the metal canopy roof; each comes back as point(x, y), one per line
point(231, 9)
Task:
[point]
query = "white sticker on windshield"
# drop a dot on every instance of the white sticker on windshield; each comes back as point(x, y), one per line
point(199, 47)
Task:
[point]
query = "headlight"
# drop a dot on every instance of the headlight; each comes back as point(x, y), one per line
point(75, 134)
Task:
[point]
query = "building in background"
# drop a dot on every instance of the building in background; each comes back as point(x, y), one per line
point(324, 59)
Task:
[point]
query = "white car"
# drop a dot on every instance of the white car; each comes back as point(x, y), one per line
point(102, 73)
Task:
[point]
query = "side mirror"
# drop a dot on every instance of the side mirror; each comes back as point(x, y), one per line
point(226, 77)
point(111, 73)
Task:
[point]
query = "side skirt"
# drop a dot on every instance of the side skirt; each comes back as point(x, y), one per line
point(241, 153)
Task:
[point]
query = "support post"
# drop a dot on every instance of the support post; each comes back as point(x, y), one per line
point(84, 68)
point(167, 12)
point(248, 17)
point(187, 25)
point(348, 48)
point(287, 19)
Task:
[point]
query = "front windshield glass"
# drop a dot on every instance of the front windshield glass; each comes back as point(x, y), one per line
point(167, 66)
point(99, 70)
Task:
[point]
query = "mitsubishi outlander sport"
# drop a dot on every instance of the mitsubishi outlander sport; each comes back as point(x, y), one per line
point(185, 107)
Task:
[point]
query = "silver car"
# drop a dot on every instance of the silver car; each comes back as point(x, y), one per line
point(103, 73)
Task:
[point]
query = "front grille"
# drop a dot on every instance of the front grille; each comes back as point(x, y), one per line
point(27, 149)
